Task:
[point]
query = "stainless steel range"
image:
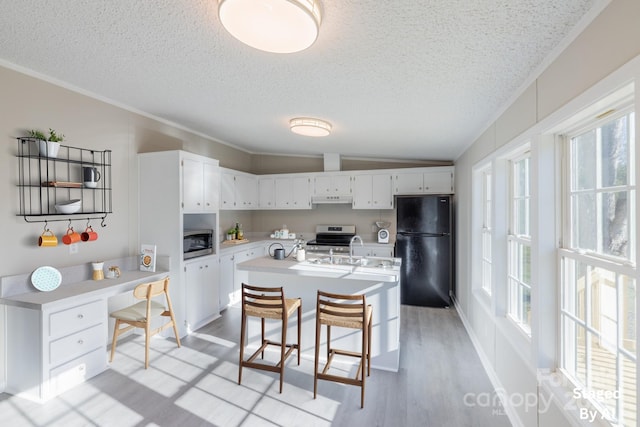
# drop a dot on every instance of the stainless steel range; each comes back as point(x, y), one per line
point(332, 237)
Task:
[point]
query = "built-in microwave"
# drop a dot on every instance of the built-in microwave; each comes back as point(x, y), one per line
point(197, 243)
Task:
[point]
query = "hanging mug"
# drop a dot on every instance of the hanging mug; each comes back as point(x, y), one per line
point(48, 239)
point(89, 235)
point(71, 237)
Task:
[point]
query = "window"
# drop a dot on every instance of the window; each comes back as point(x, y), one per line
point(486, 230)
point(519, 244)
point(598, 287)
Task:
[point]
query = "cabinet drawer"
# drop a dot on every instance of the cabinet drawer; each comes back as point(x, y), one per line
point(77, 371)
point(77, 344)
point(76, 318)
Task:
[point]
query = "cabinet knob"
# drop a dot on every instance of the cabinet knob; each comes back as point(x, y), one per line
point(80, 316)
point(198, 203)
point(80, 342)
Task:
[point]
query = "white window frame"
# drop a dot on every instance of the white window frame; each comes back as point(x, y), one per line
point(576, 311)
point(517, 244)
point(486, 231)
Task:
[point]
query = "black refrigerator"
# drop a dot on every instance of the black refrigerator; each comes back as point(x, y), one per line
point(424, 241)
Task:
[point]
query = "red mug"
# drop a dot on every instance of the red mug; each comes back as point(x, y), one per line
point(71, 237)
point(89, 235)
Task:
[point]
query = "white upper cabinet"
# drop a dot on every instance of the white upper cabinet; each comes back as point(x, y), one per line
point(266, 193)
point(200, 185)
point(330, 184)
point(372, 191)
point(239, 190)
point(435, 180)
point(284, 192)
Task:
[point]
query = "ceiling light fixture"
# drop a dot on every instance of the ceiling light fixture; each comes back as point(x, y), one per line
point(308, 126)
point(278, 26)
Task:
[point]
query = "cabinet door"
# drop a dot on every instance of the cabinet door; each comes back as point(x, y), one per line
point(362, 192)
point(246, 188)
point(227, 193)
point(381, 192)
point(283, 193)
point(201, 282)
point(322, 185)
point(266, 193)
point(192, 185)
point(361, 251)
point(440, 182)
point(227, 294)
point(341, 184)
point(211, 187)
point(301, 196)
point(409, 183)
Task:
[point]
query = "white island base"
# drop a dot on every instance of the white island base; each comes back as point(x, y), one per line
point(382, 290)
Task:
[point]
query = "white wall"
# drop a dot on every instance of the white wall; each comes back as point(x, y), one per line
point(609, 42)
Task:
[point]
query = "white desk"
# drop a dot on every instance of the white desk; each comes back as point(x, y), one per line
point(58, 339)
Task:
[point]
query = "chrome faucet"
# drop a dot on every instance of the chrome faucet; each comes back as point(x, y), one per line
point(353, 239)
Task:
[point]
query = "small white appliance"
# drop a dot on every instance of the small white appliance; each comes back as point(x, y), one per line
point(383, 235)
point(383, 232)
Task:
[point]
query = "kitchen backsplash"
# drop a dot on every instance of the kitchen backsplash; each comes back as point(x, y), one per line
point(304, 221)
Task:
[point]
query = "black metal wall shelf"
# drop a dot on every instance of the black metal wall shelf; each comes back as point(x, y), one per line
point(44, 181)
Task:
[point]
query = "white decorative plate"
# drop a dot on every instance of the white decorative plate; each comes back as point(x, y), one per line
point(46, 278)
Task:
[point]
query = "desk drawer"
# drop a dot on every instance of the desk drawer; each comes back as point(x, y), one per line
point(77, 344)
point(77, 318)
point(77, 371)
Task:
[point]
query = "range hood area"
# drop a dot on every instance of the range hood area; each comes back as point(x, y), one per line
point(334, 199)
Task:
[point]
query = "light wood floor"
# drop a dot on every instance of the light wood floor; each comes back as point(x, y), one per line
point(196, 385)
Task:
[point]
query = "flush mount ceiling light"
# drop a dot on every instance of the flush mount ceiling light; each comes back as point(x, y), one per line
point(310, 127)
point(278, 26)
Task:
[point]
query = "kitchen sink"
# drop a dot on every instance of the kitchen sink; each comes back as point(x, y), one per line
point(355, 261)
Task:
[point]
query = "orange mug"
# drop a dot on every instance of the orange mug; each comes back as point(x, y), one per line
point(89, 235)
point(71, 237)
point(48, 239)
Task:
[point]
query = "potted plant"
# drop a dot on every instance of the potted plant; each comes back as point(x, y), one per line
point(231, 234)
point(47, 147)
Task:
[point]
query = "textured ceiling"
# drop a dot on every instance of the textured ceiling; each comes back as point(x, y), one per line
point(403, 79)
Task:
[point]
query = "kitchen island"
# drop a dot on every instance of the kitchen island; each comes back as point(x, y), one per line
point(379, 280)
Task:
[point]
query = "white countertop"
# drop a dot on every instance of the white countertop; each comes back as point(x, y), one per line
point(100, 288)
point(306, 268)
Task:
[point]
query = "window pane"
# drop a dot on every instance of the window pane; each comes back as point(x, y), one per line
point(583, 148)
point(614, 224)
point(628, 316)
point(584, 221)
point(614, 154)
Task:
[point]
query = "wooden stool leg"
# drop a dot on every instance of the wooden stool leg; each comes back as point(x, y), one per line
point(147, 338)
point(262, 325)
point(369, 348)
point(283, 349)
point(299, 329)
point(317, 353)
point(243, 331)
point(328, 342)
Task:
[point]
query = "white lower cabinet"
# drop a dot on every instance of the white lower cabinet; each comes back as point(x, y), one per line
point(201, 282)
point(230, 279)
point(374, 250)
point(51, 351)
point(227, 292)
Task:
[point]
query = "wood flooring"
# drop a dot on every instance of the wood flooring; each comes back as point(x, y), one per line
point(441, 382)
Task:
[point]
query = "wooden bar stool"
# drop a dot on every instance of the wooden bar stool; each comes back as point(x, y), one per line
point(268, 303)
point(346, 311)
